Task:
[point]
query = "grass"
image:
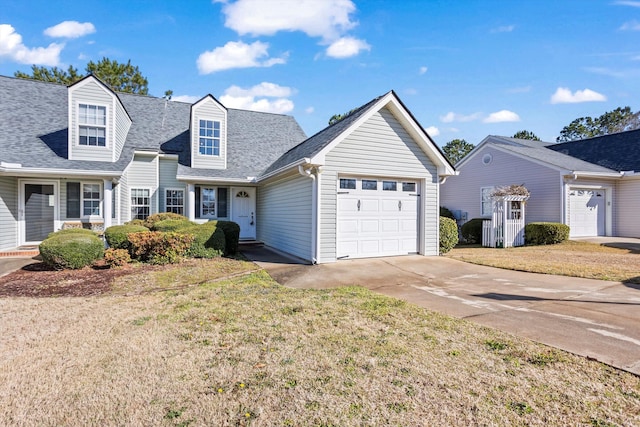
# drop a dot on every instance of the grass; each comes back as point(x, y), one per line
point(570, 258)
point(219, 343)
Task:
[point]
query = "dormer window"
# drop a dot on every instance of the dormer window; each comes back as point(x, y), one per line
point(92, 121)
point(209, 138)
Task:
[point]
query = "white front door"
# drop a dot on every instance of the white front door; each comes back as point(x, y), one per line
point(586, 212)
point(38, 210)
point(377, 217)
point(243, 210)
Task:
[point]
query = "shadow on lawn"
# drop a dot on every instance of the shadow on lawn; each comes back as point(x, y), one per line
point(510, 297)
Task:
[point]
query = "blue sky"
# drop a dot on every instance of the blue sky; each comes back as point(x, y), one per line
point(466, 69)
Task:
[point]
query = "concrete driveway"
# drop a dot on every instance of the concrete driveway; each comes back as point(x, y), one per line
point(592, 318)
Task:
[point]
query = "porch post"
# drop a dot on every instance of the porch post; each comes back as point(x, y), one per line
point(191, 202)
point(107, 201)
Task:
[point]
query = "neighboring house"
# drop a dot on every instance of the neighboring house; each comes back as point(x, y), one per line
point(591, 185)
point(87, 156)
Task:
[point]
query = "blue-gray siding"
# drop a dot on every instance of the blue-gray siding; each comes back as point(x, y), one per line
point(208, 110)
point(627, 207)
point(92, 93)
point(167, 179)
point(380, 147)
point(8, 212)
point(143, 173)
point(123, 123)
point(284, 215)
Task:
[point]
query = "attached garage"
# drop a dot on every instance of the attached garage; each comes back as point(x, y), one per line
point(587, 212)
point(377, 217)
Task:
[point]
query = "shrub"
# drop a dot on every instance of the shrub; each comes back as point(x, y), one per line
point(116, 235)
point(448, 234)
point(159, 248)
point(73, 232)
point(472, 231)
point(136, 222)
point(172, 225)
point(231, 235)
point(545, 233)
point(445, 212)
point(71, 250)
point(209, 240)
point(116, 257)
point(151, 220)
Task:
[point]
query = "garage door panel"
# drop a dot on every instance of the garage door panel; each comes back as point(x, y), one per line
point(390, 206)
point(369, 226)
point(390, 225)
point(348, 205)
point(369, 247)
point(390, 246)
point(348, 226)
point(586, 212)
point(409, 225)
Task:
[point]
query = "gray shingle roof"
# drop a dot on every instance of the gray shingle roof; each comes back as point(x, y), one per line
point(541, 151)
point(618, 151)
point(34, 129)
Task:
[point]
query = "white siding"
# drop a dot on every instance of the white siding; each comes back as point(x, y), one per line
point(167, 179)
point(462, 192)
point(123, 123)
point(284, 215)
point(627, 206)
point(123, 194)
point(90, 92)
point(8, 213)
point(208, 110)
point(380, 147)
point(143, 173)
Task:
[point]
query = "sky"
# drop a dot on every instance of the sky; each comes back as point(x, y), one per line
point(465, 69)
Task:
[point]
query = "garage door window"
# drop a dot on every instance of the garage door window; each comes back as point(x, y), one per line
point(389, 186)
point(409, 186)
point(369, 184)
point(347, 183)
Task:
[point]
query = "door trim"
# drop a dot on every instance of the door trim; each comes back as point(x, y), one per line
point(232, 216)
point(21, 206)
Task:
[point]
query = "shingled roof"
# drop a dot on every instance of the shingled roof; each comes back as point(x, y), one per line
point(34, 132)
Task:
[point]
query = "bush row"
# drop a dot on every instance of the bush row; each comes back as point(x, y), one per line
point(545, 233)
point(71, 249)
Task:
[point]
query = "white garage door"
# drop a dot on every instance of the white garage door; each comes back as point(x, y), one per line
point(377, 217)
point(586, 212)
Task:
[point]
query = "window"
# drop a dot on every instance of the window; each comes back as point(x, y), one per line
point(90, 199)
point(209, 138)
point(92, 121)
point(389, 186)
point(369, 184)
point(347, 183)
point(485, 209)
point(140, 203)
point(409, 186)
point(174, 201)
point(208, 202)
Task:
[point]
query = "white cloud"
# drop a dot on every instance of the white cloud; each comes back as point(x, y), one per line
point(328, 19)
point(628, 3)
point(70, 29)
point(631, 26)
point(256, 98)
point(11, 47)
point(422, 70)
point(309, 110)
point(455, 117)
point(564, 96)
point(186, 98)
point(503, 29)
point(237, 55)
point(433, 131)
point(502, 116)
point(346, 47)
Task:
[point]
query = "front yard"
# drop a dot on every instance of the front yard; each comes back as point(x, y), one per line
point(218, 342)
point(570, 258)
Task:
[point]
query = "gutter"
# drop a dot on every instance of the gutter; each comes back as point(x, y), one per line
point(315, 212)
point(300, 162)
point(17, 169)
point(198, 179)
point(583, 174)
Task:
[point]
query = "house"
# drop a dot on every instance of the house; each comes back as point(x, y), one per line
point(86, 156)
point(592, 185)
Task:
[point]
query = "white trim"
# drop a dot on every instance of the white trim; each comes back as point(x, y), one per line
point(201, 215)
point(213, 180)
point(21, 207)
point(101, 200)
point(482, 214)
point(184, 198)
point(56, 173)
point(108, 143)
point(213, 138)
point(231, 213)
point(131, 205)
point(223, 133)
point(608, 202)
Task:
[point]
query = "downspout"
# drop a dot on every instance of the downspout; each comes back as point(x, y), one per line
point(314, 210)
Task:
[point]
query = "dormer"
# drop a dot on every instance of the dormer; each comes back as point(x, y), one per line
point(208, 134)
point(98, 122)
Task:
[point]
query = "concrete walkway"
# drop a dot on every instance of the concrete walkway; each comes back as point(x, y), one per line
point(592, 318)
point(630, 243)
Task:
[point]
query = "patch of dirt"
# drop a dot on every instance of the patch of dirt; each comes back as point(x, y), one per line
point(38, 281)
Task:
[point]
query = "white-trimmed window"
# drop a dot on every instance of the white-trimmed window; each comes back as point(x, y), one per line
point(174, 200)
point(209, 138)
point(91, 199)
point(208, 202)
point(486, 202)
point(92, 125)
point(140, 203)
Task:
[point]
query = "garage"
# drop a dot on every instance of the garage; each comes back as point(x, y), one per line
point(587, 209)
point(377, 217)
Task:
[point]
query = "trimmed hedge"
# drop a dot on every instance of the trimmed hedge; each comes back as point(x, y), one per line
point(446, 212)
point(71, 249)
point(172, 225)
point(231, 234)
point(157, 247)
point(448, 234)
point(73, 231)
point(151, 220)
point(116, 235)
point(545, 233)
point(209, 240)
point(472, 231)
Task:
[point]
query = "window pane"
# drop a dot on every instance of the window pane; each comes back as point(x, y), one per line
point(347, 183)
point(369, 184)
point(408, 186)
point(389, 186)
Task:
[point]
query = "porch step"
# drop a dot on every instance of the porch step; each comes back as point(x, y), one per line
point(22, 251)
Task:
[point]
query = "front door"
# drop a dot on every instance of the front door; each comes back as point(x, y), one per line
point(243, 210)
point(38, 211)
